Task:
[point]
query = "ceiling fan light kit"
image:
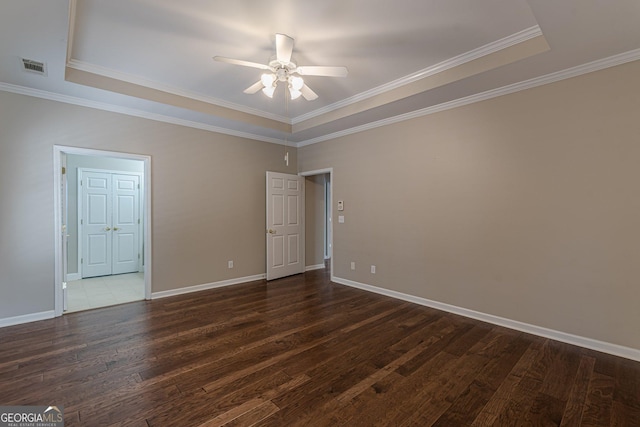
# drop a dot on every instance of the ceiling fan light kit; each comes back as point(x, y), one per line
point(282, 69)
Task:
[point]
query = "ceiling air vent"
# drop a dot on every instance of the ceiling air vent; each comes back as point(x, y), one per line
point(33, 66)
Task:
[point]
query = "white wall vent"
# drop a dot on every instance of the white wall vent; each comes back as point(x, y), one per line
point(34, 66)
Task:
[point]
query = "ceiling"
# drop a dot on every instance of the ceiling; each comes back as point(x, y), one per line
point(153, 58)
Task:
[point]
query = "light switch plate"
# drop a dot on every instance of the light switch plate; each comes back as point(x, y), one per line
point(341, 219)
point(340, 205)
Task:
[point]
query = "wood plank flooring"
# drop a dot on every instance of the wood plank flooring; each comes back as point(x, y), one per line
point(305, 351)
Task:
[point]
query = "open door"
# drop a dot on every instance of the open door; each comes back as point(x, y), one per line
point(64, 236)
point(285, 225)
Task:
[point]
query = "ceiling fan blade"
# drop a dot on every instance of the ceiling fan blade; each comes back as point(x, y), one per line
point(254, 88)
point(284, 48)
point(241, 62)
point(308, 94)
point(322, 71)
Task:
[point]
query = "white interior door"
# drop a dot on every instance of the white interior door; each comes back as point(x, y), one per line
point(285, 225)
point(63, 229)
point(96, 224)
point(125, 223)
point(110, 223)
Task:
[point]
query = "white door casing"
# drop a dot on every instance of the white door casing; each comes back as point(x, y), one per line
point(109, 223)
point(285, 225)
point(59, 154)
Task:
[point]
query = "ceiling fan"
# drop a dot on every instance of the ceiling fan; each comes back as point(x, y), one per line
point(282, 69)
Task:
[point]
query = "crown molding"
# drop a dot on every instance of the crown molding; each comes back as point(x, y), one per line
point(51, 96)
point(593, 66)
point(129, 78)
point(471, 55)
point(579, 70)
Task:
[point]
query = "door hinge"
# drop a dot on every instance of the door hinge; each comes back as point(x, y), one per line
point(138, 256)
point(138, 186)
point(81, 260)
point(81, 222)
point(138, 220)
point(64, 170)
point(80, 183)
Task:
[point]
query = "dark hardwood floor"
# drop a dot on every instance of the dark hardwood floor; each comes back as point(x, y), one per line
point(305, 351)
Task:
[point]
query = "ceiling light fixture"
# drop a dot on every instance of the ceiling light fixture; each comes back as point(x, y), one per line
point(270, 82)
point(269, 90)
point(295, 84)
point(282, 69)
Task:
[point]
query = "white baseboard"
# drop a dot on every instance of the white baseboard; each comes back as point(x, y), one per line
point(196, 288)
point(73, 276)
point(26, 318)
point(605, 347)
point(314, 267)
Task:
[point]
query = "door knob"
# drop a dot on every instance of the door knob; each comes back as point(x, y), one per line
point(270, 231)
point(115, 229)
point(107, 229)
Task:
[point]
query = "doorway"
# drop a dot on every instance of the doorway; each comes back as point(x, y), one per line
point(110, 289)
point(319, 224)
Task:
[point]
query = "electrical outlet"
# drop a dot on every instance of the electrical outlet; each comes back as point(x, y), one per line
point(230, 264)
point(373, 269)
point(353, 265)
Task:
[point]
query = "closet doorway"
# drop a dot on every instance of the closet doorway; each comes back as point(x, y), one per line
point(109, 222)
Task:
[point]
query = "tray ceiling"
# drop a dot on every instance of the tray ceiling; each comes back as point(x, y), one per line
point(153, 58)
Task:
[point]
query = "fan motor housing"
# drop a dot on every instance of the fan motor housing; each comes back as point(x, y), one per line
point(282, 70)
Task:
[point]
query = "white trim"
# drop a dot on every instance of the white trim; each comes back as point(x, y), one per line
point(448, 64)
point(26, 318)
point(590, 67)
point(58, 150)
point(204, 287)
point(605, 347)
point(51, 96)
point(72, 28)
point(316, 172)
point(58, 263)
point(141, 81)
point(73, 276)
point(313, 267)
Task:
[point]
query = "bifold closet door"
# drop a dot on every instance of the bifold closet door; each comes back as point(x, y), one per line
point(109, 223)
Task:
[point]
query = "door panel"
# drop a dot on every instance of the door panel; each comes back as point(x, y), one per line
point(97, 254)
point(278, 251)
point(294, 249)
point(292, 210)
point(96, 259)
point(125, 223)
point(285, 229)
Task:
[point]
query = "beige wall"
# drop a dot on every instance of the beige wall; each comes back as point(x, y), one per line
point(314, 220)
point(208, 196)
point(526, 206)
